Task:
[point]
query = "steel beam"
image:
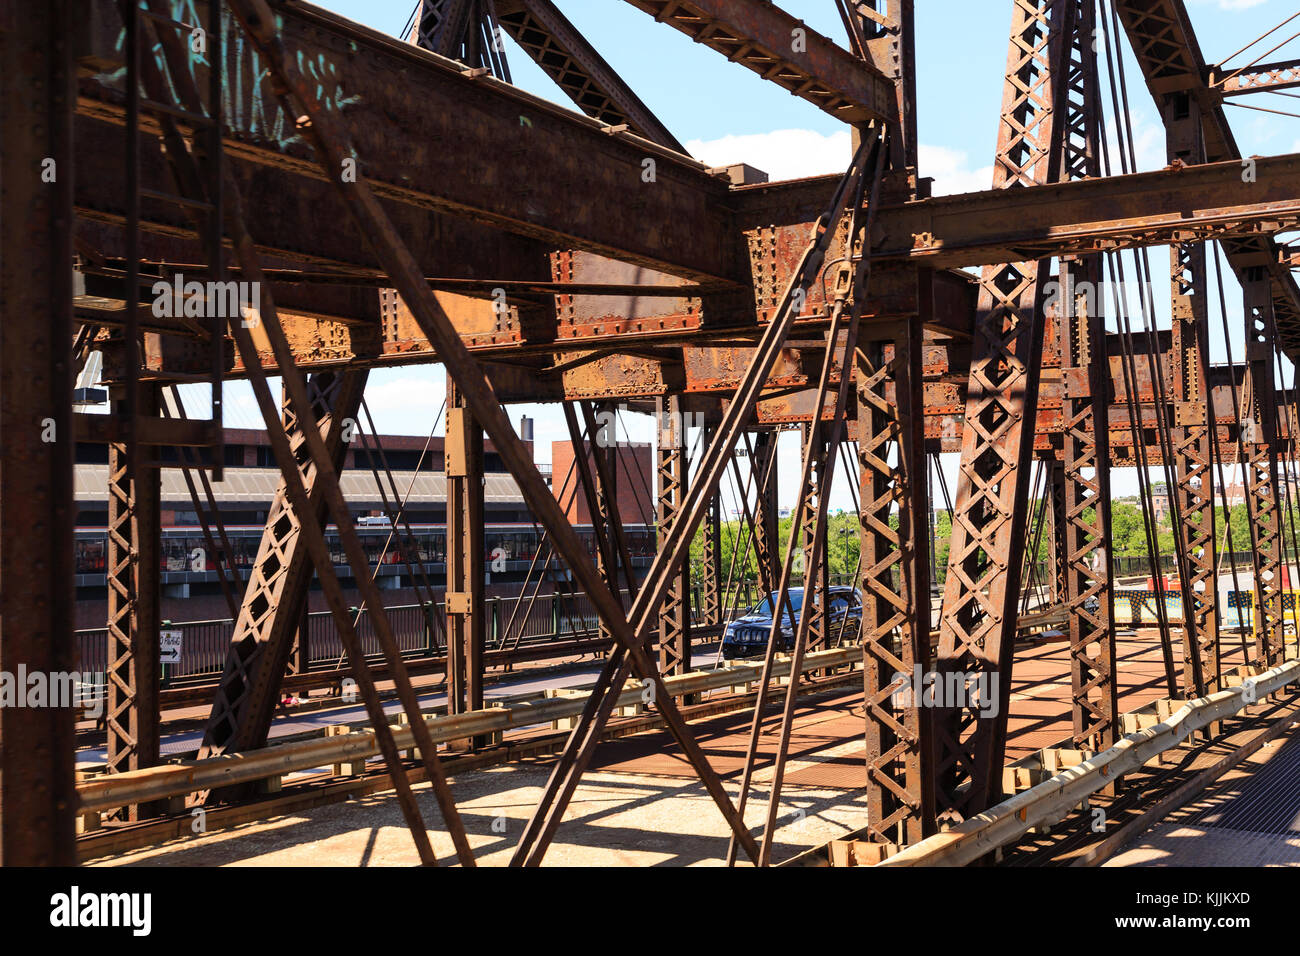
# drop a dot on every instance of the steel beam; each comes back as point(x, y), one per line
point(595, 460)
point(443, 26)
point(1167, 52)
point(1282, 75)
point(767, 508)
point(1094, 215)
point(784, 50)
point(1083, 535)
point(38, 798)
point(276, 592)
point(884, 34)
point(476, 133)
point(1081, 485)
point(566, 56)
point(711, 557)
point(813, 536)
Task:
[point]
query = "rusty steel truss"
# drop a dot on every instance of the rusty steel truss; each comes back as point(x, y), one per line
point(368, 185)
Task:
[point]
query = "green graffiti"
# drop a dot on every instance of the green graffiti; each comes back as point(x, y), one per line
point(249, 107)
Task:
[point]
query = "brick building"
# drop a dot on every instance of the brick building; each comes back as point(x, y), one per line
point(634, 483)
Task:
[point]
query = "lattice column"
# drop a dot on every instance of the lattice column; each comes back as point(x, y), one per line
point(675, 615)
point(978, 628)
point(895, 586)
point(300, 655)
point(277, 587)
point(133, 604)
point(815, 598)
point(605, 475)
point(1055, 515)
point(1086, 539)
point(1194, 476)
point(1085, 542)
point(1262, 500)
point(443, 25)
point(766, 509)
point(466, 598)
point(711, 532)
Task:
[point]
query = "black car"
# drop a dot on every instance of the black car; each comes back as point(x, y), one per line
point(747, 636)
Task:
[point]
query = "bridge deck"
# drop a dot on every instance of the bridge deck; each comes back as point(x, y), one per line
point(1249, 817)
point(641, 804)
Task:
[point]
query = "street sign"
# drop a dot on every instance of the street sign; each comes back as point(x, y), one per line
point(169, 646)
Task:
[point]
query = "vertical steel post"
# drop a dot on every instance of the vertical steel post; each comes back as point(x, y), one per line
point(671, 473)
point(133, 604)
point(1192, 408)
point(466, 608)
point(982, 590)
point(1261, 472)
point(711, 555)
point(1056, 495)
point(814, 537)
point(895, 582)
point(767, 520)
point(37, 510)
point(1085, 538)
point(888, 28)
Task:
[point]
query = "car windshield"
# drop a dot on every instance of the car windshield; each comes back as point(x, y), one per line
point(764, 607)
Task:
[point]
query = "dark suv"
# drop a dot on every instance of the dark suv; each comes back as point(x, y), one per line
point(747, 636)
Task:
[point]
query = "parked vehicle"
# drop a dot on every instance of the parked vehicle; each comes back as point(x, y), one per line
point(747, 636)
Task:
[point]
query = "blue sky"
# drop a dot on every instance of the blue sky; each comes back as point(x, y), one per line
point(725, 114)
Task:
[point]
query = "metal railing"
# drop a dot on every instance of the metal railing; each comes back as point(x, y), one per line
point(550, 618)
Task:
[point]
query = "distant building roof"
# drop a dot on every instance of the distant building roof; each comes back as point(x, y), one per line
point(241, 485)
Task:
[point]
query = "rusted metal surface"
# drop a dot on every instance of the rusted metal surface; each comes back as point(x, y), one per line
point(1167, 52)
point(982, 589)
point(1282, 75)
point(595, 185)
point(620, 270)
point(332, 145)
point(246, 697)
point(1190, 429)
point(466, 608)
point(1142, 209)
point(36, 379)
point(559, 48)
point(672, 474)
point(133, 607)
point(1265, 498)
point(1082, 522)
point(895, 581)
point(784, 50)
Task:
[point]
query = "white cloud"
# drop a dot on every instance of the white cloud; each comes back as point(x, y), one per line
point(404, 401)
point(1230, 4)
point(951, 170)
point(796, 153)
point(782, 153)
point(409, 393)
